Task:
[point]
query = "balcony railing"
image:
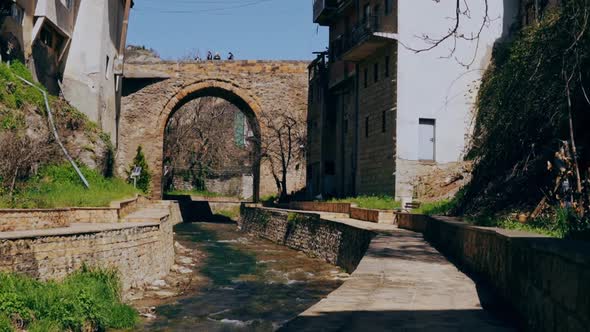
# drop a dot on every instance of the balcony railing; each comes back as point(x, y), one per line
point(323, 10)
point(365, 29)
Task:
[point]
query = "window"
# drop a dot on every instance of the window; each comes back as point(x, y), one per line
point(17, 13)
point(366, 77)
point(388, 7)
point(384, 122)
point(376, 72)
point(107, 68)
point(387, 60)
point(367, 127)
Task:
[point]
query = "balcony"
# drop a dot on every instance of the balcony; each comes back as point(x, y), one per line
point(324, 10)
point(366, 38)
point(340, 71)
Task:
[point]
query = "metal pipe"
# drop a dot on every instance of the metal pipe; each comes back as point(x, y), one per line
point(55, 134)
point(124, 28)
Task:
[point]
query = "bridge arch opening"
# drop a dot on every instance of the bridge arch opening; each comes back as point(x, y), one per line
point(223, 153)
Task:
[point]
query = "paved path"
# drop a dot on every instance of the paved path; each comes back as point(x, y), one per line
point(402, 284)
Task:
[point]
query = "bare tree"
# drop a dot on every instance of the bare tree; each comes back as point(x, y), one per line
point(282, 146)
point(20, 155)
point(200, 138)
point(462, 12)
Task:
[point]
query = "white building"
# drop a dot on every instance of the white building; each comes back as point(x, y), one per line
point(437, 89)
point(75, 47)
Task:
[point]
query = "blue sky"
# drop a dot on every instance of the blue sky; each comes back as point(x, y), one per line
point(251, 29)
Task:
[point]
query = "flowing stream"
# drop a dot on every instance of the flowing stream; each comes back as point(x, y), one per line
point(251, 284)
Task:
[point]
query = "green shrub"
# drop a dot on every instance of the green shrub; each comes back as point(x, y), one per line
point(145, 178)
point(88, 298)
point(5, 324)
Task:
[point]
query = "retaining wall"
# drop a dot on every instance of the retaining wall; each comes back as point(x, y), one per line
point(26, 219)
point(335, 243)
point(141, 252)
point(544, 279)
point(321, 206)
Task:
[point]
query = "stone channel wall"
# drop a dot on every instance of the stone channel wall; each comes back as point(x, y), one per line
point(544, 279)
point(335, 243)
point(141, 253)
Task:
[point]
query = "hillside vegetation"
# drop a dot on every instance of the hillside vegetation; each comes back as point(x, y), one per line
point(531, 148)
point(33, 170)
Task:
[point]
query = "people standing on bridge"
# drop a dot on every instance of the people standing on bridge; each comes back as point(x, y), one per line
point(217, 56)
point(230, 56)
point(209, 56)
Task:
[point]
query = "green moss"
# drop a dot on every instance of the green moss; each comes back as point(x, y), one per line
point(88, 298)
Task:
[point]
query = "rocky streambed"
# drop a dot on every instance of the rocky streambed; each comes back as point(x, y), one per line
point(225, 280)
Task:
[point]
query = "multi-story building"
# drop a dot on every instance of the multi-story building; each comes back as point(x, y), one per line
point(392, 111)
point(72, 46)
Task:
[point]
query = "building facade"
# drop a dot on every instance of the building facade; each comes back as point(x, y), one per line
point(395, 110)
point(73, 47)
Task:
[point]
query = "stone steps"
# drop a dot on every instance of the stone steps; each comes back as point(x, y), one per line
point(154, 212)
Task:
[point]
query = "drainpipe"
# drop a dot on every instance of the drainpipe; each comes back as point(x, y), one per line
point(356, 131)
point(55, 134)
point(123, 40)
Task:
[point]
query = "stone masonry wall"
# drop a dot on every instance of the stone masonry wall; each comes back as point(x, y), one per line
point(152, 92)
point(28, 219)
point(141, 253)
point(335, 243)
point(544, 279)
point(378, 111)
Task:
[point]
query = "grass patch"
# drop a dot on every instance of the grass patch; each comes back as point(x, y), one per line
point(86, 300)
point(435, 208)
point(558, 224)
point(58, 186)
point(371, 202)
point(231, 213)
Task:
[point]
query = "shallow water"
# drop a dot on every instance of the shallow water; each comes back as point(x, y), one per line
point(253, 284)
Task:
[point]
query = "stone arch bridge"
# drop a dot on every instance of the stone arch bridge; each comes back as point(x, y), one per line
point(152, 92)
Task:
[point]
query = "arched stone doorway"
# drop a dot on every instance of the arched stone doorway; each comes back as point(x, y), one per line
point(211, 88)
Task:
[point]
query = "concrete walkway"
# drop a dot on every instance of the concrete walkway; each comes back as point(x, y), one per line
point(401, 284)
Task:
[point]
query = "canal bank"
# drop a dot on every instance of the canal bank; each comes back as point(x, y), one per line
point(401, 282)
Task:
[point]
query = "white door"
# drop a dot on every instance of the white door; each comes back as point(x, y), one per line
point(426, 139)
